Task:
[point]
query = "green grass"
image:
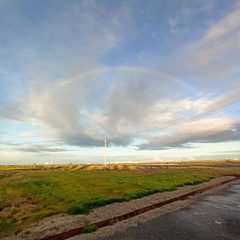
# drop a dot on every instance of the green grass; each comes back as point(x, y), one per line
point(90, 229)
point(30, 195)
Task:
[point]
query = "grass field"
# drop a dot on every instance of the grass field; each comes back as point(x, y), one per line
point(30, 194)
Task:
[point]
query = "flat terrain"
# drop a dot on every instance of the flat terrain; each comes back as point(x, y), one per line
point(29, 194)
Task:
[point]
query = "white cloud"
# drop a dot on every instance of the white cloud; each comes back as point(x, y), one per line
point(84, 110)
point(125, 110)
point(217, 53)
point(211, 62)
point(200, 131)
point(57, 80)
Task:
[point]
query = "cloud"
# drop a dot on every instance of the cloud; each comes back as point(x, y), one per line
point(57, 78)
point(213, 58)
point(59, 44)
point(85, 110)
point(218, 49)
point(200, 131)
point(229, 151)
point(41, 149)
point(12, 111)
point(84, 119)
point(32, 147)
point(49, 51)
point(210, 59)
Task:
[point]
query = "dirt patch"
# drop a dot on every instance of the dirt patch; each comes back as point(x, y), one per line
point(63, 222)
point(16, 211)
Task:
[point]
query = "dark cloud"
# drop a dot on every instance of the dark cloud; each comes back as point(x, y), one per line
point(31, 147)
point(186, 139)
point(41, 149)
point(82, 141)
point(161, 146)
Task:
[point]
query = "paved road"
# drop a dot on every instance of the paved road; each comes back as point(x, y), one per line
point(213, 217)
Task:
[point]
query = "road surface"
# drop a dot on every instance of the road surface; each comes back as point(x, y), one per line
point(214, 217)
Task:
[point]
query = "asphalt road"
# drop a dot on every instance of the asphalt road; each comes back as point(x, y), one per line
point(214, 217)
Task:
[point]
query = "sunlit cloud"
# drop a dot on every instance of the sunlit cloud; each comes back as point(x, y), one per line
point(74, 74)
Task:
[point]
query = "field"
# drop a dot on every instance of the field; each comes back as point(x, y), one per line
point(30, 193)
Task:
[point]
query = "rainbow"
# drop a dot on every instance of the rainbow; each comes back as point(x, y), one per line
point(123, 69)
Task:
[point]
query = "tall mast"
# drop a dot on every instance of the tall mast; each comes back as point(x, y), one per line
point(105, 151)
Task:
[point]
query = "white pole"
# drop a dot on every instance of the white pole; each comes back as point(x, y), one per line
point(105, 157)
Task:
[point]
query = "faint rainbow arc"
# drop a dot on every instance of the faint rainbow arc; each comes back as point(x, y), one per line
point(122, 68)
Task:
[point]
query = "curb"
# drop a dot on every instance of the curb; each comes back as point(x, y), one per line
point(100, 224)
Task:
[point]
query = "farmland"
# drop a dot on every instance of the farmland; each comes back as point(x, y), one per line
point(30, 193)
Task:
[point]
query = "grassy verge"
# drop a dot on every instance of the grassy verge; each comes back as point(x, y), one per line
point(30, 195)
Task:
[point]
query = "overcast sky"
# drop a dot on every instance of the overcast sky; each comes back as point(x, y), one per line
point(159, 79)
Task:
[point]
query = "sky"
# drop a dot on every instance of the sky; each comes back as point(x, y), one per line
point(159, 79)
